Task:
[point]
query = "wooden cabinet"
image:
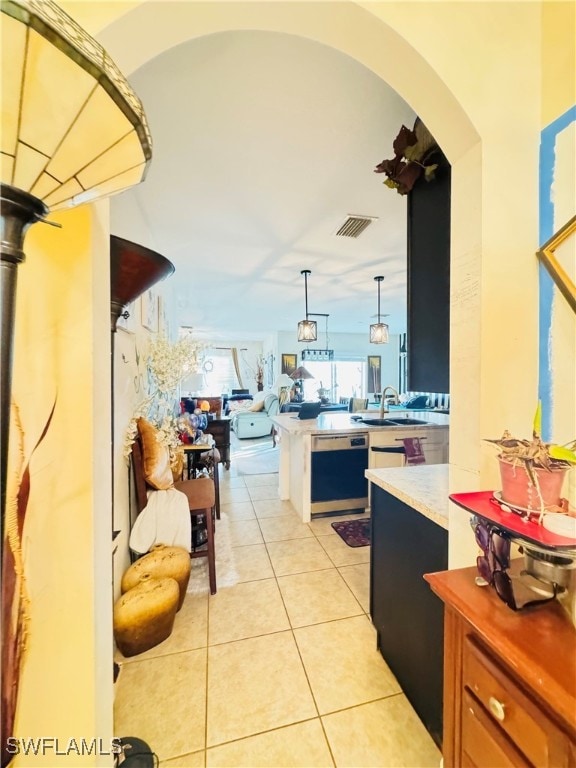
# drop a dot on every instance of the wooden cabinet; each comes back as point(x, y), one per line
point(407, 617)
point(509, 679)
point(220, 431)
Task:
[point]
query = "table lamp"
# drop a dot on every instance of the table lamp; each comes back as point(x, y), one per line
point(298, 376)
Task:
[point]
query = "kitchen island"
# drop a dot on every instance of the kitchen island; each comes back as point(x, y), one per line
point(366, 443)
point(410, 539)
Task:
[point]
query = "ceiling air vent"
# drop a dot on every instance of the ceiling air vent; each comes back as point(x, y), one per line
point(354, 226)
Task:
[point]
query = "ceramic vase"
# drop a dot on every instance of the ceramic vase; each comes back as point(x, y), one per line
point(160, 562)
point(144, 616)
point(519, 491)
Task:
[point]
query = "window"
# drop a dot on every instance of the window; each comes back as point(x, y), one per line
point(344, 378)
point(219, 372)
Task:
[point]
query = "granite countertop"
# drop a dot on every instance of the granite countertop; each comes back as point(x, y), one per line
point(423, 487)
point(343, 424)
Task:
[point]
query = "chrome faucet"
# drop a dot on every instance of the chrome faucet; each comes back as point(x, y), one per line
point(383, 409)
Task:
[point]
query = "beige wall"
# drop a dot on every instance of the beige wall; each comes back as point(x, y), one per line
point(559, 96)
point(558, 59)
point(62, 357)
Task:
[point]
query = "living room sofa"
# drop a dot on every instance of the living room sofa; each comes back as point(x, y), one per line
point(255, 421)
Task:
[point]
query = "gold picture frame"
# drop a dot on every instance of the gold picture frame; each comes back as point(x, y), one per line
point(289, 363)
point(374, 371)
point(550, 257)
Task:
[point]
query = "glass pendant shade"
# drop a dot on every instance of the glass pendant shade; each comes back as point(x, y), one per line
point(379, 331)
point(73, 130)
point(307, 330)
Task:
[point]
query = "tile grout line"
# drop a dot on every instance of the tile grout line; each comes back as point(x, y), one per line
point(276, 577)
point(301, 659)
point(206, 702)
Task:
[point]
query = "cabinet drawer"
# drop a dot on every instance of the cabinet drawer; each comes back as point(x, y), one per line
point(484, 744)
point(510, 708)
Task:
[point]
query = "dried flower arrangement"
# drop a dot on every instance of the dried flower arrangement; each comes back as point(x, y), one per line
point(168, 363)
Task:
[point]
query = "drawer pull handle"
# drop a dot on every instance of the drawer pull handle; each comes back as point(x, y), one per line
point(497, 708)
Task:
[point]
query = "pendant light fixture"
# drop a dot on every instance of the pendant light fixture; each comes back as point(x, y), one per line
point(378, 331)
point(319, 354)
point(307, 329)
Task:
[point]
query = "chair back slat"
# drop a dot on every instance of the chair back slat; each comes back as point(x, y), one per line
point(138, 471)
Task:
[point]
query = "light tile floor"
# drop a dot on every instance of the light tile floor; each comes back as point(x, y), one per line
point(280, 669)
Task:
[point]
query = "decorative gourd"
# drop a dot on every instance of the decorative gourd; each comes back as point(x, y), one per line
point(161, 562)
point(144, 616)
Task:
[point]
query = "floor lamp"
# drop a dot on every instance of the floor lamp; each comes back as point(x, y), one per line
point(134, 269)
point(73, 131)
point(96, 144)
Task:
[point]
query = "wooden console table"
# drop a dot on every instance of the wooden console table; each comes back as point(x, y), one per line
point(509, 678)
point(220, 431)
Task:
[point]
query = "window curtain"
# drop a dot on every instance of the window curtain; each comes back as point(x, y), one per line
point(236, 362)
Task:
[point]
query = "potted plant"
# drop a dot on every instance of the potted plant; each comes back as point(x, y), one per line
point(533, 471)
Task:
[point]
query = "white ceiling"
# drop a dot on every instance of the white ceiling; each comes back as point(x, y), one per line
point(263, 144)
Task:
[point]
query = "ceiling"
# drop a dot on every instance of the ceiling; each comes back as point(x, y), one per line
point(264, 143)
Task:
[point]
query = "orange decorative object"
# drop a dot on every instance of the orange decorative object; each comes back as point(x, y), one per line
point(205, 406)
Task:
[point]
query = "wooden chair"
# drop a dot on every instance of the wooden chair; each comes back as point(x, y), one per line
point(357, 404)
point(207, 461)
point(210, 461)
point(201, 497)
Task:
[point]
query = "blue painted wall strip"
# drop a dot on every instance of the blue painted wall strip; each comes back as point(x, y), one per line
point(546, 288)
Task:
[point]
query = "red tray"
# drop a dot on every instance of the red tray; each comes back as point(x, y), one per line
point(479, 503)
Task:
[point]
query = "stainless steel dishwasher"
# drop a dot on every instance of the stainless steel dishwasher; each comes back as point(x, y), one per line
point(337, 477)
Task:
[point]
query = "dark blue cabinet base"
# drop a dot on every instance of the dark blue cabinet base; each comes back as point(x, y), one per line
point(408, 617)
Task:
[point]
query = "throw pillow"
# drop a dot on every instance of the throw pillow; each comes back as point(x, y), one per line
point(257, 406)
point(239, 405)
point(155, 457)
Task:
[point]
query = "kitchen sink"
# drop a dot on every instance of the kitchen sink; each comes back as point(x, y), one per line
point(407, 420)
point(379, 422)
point(399, 421)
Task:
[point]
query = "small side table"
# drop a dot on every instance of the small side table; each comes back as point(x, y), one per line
point(193, 451)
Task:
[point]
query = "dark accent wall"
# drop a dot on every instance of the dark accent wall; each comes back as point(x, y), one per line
point(428, 342)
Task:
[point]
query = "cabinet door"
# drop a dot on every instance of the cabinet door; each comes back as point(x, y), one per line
point(435, 453)
point(386, 456)
point(434, 443)
point(407, 616)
